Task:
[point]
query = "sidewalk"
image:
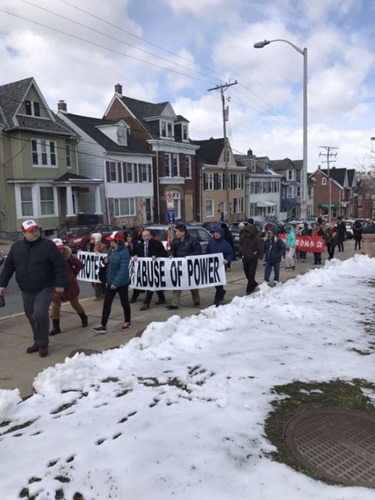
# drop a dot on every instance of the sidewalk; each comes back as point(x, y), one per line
point(18, 369)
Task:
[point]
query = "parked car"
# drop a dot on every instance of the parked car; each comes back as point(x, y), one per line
point(258, 226)
point(210, 226)
point(165, 233)
point(349, 229)
point(78, 237)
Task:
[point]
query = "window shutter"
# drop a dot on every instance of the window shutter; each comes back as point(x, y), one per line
point(119, 172)
point(204, 182)
point(135, 172)
point(108, 171)
point(124, 172)
point(149, 173)
point(216, 181)
point(140, 168)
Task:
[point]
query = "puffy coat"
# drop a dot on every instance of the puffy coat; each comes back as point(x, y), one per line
point(38, 264)
point(72, 268)
point(357, 230)
point(118, 267)
point(274, 249)
point(251, 244)
point(185, 247)
point(290, 240)
point(220, 245)
point(331, 236)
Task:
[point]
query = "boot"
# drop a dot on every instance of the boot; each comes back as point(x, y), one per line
point(56, 327)
point(84, 319)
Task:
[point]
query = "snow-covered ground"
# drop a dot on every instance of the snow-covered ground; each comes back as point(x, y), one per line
point(180, 412)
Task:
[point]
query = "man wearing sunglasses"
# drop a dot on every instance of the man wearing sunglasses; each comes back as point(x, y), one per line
point(39, 269)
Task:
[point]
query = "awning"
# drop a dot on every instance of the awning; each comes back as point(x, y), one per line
point(265, 204)
point(325, 205)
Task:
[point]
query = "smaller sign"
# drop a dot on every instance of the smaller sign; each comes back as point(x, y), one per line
point(170, 216)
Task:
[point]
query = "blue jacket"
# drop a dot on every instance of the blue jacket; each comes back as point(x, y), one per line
point(274, 249)
point(220, 245)
point(290, 240)
point(118, 267)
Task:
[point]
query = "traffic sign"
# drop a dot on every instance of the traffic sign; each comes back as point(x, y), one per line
point(170, 216)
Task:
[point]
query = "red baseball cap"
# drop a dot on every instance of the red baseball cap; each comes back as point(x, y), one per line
point(116, 236)
point(58, 242)
point(28, 225)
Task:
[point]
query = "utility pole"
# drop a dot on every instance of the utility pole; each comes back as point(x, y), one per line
point(222, 89)
point(331, 156)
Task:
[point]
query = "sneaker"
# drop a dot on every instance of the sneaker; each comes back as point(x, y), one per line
point(125, 325)
point(99, 329)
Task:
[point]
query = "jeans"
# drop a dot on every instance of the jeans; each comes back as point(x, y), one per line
point(268, 268)
point(108, 299)
point(36, 305)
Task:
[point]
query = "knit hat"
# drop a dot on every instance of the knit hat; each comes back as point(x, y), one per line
point(28, 225)
point(58, 242)
point(97, 237)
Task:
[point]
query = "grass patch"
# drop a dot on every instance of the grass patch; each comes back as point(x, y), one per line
point(300, 396)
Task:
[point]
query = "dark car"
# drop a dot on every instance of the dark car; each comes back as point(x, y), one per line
point(258, 226)
point(78, 237)
point(210, 226)
point(165, 233)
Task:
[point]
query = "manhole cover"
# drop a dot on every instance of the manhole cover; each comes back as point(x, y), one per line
point(336, 444)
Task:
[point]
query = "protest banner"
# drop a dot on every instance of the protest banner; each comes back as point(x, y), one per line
point(91, 261)
point(307, 243)
point(198, 271)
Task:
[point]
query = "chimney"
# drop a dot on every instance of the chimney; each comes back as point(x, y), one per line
point(61, 106)
point(249, 152)
point(118, 89)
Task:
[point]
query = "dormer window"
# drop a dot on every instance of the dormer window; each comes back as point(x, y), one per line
point(121, 135)
point(32, 108)
point(185, 135)
point(166, 129)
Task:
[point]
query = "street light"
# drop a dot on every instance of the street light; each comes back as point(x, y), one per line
point(260, 45)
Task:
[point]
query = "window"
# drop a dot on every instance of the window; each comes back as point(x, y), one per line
point(177, 204)
point(43, 153)
point(289, 175)
point(46, 201)
point(220, 181)
point(185, 133)
point(252, 165)
point(253, 209)
point(144, 171)
point(166, 129)
point(169, 130)
point(290, 192)
point(298, 190)
point(236, 181)
point(208, 182)
point(188, 167)
point(324, 181)
point(32, 108)
point(111, 171)
point(68, 156)
point(26, 202)
point(176, 166)
point(255, 187)
point(124, 206)
point(237, 205)
point(167, 165)
point(209, 208)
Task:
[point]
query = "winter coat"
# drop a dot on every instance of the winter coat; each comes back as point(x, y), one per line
point(38, 264)
point(227, 235)
point(341, 228)
point(220, 245)
point(185, 247)
point(118, 267)
point(155, 247)
point(100, 247)
point(331, 236)
point(290, 240)
point(357, 230)
point(251, 245)
point(72, 268)
point(274, 249)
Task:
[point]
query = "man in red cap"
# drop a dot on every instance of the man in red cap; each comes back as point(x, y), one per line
point(40, 270)
point(117, 281)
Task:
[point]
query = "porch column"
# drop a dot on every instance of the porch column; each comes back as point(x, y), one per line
point(69, 202)
point(98, 203)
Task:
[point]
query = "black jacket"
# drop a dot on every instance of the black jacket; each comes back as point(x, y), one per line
point(38, 264)
point(188, 246)
point(155, 247)
point(251, 245)
point(274, 249)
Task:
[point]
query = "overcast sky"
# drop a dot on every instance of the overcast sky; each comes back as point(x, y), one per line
point(175, 50)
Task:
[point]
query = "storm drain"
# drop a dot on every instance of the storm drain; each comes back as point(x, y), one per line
point(336, 444)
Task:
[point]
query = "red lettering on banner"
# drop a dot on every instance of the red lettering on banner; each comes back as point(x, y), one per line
point(313, 244)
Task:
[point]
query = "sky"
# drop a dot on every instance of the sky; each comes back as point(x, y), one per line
point(176, 50)
point(179, 413)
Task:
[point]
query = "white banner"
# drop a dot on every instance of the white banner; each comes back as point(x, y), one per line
point(91, 261)
point(180, 273)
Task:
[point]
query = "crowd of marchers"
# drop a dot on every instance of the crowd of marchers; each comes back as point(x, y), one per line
point(46, 270)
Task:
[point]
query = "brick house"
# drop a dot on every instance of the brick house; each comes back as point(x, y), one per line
point(166, 134)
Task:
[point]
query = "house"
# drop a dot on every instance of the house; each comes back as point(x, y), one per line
point(292, 186)
point(338, 185)
point(107, 150)
point(220, 180)
point(262, 187)
point(364, 201)
point(166, 134)
point(39, 171)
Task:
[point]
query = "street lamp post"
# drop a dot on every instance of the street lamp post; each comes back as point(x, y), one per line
point(304, 198)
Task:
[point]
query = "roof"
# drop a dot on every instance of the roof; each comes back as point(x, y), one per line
point(337, 174)
point(12, 95)
point(143, 109)
point(89, 126)
point(286, 164)
point(209, 151)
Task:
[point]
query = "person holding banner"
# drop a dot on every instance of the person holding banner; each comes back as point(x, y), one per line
point(219, 244)
point(96, 245)
point(317, 231)
point(183, 245)
point(290, 243)
point(150, 247)
point(251, 250)
point(332, 238)
point(117, 280)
